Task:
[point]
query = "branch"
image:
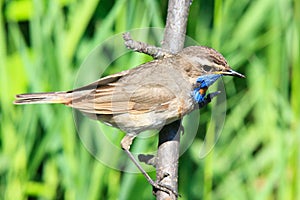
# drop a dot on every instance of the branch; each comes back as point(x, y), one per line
point(169, 136)
point(166, 161)
point(175, 30)
point(141, 47)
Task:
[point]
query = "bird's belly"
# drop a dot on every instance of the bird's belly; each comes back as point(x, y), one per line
point(156, 119)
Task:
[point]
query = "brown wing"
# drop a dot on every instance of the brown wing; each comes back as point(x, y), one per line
point(116, 98)
point(133, 91)
point(101, 82)
point(151, 97)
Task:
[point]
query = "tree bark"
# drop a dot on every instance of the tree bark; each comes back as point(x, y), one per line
point(169, 136)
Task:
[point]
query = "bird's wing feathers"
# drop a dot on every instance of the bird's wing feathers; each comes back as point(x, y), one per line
point(103, 81)
point(111, 96)
point(151, 97)
point(110, 101)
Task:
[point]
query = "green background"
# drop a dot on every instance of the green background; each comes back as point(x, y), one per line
point(42, 45)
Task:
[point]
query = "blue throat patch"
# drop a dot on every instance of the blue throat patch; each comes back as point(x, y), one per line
point(205, 81)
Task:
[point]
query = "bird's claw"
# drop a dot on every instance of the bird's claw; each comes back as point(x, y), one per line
point(164, 188)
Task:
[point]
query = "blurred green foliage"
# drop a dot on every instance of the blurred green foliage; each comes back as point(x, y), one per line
point(42, 45)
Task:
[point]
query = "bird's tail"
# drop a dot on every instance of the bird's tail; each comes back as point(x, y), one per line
point(39, 98)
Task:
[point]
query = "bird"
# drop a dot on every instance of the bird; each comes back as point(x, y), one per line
point(146, 97)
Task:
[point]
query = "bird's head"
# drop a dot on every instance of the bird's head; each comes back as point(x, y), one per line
point(208, 61)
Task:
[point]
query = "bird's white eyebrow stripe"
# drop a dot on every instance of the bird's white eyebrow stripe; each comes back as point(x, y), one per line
point(203, 61)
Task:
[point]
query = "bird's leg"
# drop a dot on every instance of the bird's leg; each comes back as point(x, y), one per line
point(125, 144)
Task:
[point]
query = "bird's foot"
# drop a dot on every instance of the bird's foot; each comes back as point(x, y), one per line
point(157, 186)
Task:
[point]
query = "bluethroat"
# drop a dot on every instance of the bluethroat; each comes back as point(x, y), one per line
point(146, 97)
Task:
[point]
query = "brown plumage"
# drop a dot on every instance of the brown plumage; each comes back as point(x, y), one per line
point(146, 97)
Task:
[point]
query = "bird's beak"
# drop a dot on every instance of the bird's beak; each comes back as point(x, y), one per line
point(230, 72)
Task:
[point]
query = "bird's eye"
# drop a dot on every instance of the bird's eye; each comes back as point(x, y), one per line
point(206, 68)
